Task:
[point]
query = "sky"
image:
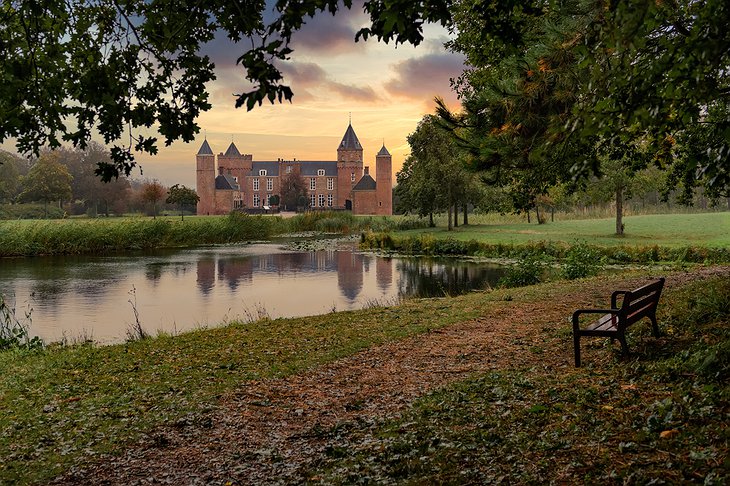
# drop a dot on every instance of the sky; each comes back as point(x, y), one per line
point(385, 90)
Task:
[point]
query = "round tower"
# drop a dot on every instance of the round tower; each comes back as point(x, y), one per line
point(384, 181)
point(349, 165)
point(205, 179)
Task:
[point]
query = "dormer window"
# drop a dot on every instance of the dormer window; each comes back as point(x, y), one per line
point(320, 172)
point(262, 172)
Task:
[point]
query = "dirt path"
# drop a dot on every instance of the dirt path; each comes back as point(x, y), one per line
point(266, 431)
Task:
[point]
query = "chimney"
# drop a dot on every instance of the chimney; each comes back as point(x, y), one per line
point(367, 170)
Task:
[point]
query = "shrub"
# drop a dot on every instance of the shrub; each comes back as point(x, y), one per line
point(526, 271)
point(581, 261)
point(14, 331)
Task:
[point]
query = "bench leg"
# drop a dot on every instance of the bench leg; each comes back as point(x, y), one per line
point(624, 346)
point(654, 326)
point(576, 348)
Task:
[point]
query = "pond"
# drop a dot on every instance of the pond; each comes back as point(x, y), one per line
point(94, 297)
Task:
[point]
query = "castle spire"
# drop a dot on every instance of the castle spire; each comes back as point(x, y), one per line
point(350, 140)
point(205, 148)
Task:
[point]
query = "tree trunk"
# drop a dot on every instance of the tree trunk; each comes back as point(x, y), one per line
point(456, 215)
point(552, 215)
point(450, 225)
point(619, 211)
point(466, 214)
point(431, 224)
point(528, 216)
point(540, 219)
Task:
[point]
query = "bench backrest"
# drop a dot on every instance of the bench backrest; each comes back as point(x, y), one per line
point(641, 302)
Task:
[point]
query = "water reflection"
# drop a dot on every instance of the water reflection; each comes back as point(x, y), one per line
point(75, 296)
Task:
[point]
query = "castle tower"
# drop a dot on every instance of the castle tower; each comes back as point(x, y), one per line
point(236, 164)
point(349, 166)
point(205, 179)
point(384, 182)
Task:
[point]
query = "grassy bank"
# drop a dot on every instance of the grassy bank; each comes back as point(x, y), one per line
point(661, 419)
point(46, 237)
point(63, 406)
point(658, 238)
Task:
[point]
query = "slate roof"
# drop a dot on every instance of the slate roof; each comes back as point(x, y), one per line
point(226, 182)
point(383, 151)
point(233, 150)
point(205, 148)
point(350, 141)
point(367, 183)
point(272, 168)
point(310, 167)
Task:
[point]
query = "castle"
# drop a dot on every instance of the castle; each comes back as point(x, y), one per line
point(242, 183)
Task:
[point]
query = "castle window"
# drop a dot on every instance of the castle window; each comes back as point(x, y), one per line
point(330, 183)
point(270, 184)
point(320, 172)
point(312, 184)
point(288, 169)
point(312, 200)
point(268, 199)
point(235, 178)
point(321, 200)
point(330, 200)
point(262, 172)
point(352, 176)
point(256, 200)
point(255, 184)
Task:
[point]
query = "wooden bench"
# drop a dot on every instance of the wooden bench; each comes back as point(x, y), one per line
point(636, 305)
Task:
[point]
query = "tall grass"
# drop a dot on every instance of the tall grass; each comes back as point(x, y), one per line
point(29, 238)
point(428, 244)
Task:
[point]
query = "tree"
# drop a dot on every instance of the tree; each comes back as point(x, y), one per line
point(182, 196)
point(548, 81)
point(152, 193)
point(11, 169)
point(48, 180)
point(433, 176)
point(293, 188)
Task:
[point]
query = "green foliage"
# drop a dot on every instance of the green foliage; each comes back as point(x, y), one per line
point(30, 211)
point(14, 329)
point(581, 261)
point(182, 196)
point(48, 180)
point(526, 271)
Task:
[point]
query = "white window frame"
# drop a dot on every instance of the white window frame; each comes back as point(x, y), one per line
point(312, 183)
point(320, 172)
point(330, 200)
point(321, 200)
point(312, 200)
point(288, 169)
point(352, 177)
point(270, 184)
point(330, 183)
point(255, 184)
point(256, 200)
point(262, 172)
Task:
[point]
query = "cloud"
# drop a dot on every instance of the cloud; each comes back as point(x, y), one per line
point(424, 77)
point(306, 77)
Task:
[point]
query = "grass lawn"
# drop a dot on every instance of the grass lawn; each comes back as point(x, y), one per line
point(671, 230)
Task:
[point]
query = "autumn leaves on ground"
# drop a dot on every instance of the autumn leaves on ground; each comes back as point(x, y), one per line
point(471, 389)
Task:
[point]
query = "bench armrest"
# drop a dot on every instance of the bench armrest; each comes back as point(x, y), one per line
point(614, 297)
point(577, 313)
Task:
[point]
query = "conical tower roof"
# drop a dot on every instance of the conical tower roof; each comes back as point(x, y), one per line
point(233, 150)
point(350, 141)
point(383, 151)
point(205, 148)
